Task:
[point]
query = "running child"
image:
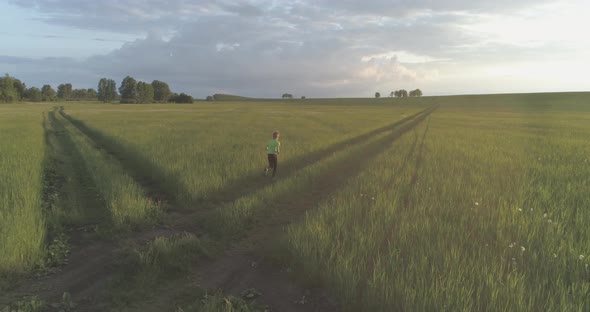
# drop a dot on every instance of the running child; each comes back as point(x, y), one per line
point(273, 149)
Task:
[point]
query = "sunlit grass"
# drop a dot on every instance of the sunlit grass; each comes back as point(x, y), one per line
point(491, 216)
point(22, 227)
point(199, 150)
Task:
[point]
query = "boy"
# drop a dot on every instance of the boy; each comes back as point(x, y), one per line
point(273, 149)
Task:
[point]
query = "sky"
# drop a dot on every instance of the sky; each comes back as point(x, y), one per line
point(313, 48)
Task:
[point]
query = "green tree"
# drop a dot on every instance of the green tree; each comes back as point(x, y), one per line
point(33, 94)
point(287, 96)
point(401, 93)
point(209, 98)
point(64, 91)
point(145, 92)
point(377, 95)
point(183, 98)
point(48, 93)
point(161, 91)
point(107, 90)
point(79, 94)
point(8, 93)
point(20, 87)
point(91, 94)
point(128, 90)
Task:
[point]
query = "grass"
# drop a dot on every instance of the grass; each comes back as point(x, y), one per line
point(481, 206)
point(22, 225)
point(156, 139)
point(123, 198)
point(479, 210)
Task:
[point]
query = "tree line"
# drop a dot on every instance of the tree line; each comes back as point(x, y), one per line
point(402, 93)
point(130, 91)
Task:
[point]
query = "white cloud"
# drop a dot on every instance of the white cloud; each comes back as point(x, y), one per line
point(221, 47)
point(402, 57)
point(328, 47)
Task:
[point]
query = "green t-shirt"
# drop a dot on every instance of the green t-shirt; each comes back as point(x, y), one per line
point(273, 146)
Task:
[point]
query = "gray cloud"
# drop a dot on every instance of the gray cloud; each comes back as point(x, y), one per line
point(267, 47)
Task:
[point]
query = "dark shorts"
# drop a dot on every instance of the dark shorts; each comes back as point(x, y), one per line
point(273, 161)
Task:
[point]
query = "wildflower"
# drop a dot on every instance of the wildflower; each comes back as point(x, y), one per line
point(372, 198)
point(550, 221)
point(511, 245)
point(545, 215)
point(522, 248)
point(514, 259)
point(554, 255)
point(519, 209)
point(581, 257)
point(476, 203)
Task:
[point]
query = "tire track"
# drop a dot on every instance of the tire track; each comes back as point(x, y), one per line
point(419, 160)
point(153, 190)
point(234, 272)
point(233, 190)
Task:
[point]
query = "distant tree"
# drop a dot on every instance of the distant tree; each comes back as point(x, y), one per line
point(128, 90)
point(107, 90)
point(303, 97)
point(416, 92)
point(391, 94)
point(401, 93)
point(377, 95)
point(91, 94)
point(287, 96)
point(209, 98)
point(33, 94)
point(8, 93)
point(64, 91)
point(48, 93)
point(20, 87)
point(145, 93)
point(78, 94)
point(183, 98)
point(161, 91)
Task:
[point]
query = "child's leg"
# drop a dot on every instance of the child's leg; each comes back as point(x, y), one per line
point(275, 165)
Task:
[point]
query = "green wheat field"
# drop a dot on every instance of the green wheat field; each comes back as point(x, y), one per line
point(458, 203)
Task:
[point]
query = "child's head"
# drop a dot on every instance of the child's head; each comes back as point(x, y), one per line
point(276, 134)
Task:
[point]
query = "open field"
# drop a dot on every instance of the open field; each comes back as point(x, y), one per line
point(439, 203)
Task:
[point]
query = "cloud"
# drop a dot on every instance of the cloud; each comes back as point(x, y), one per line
point(316, 48)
